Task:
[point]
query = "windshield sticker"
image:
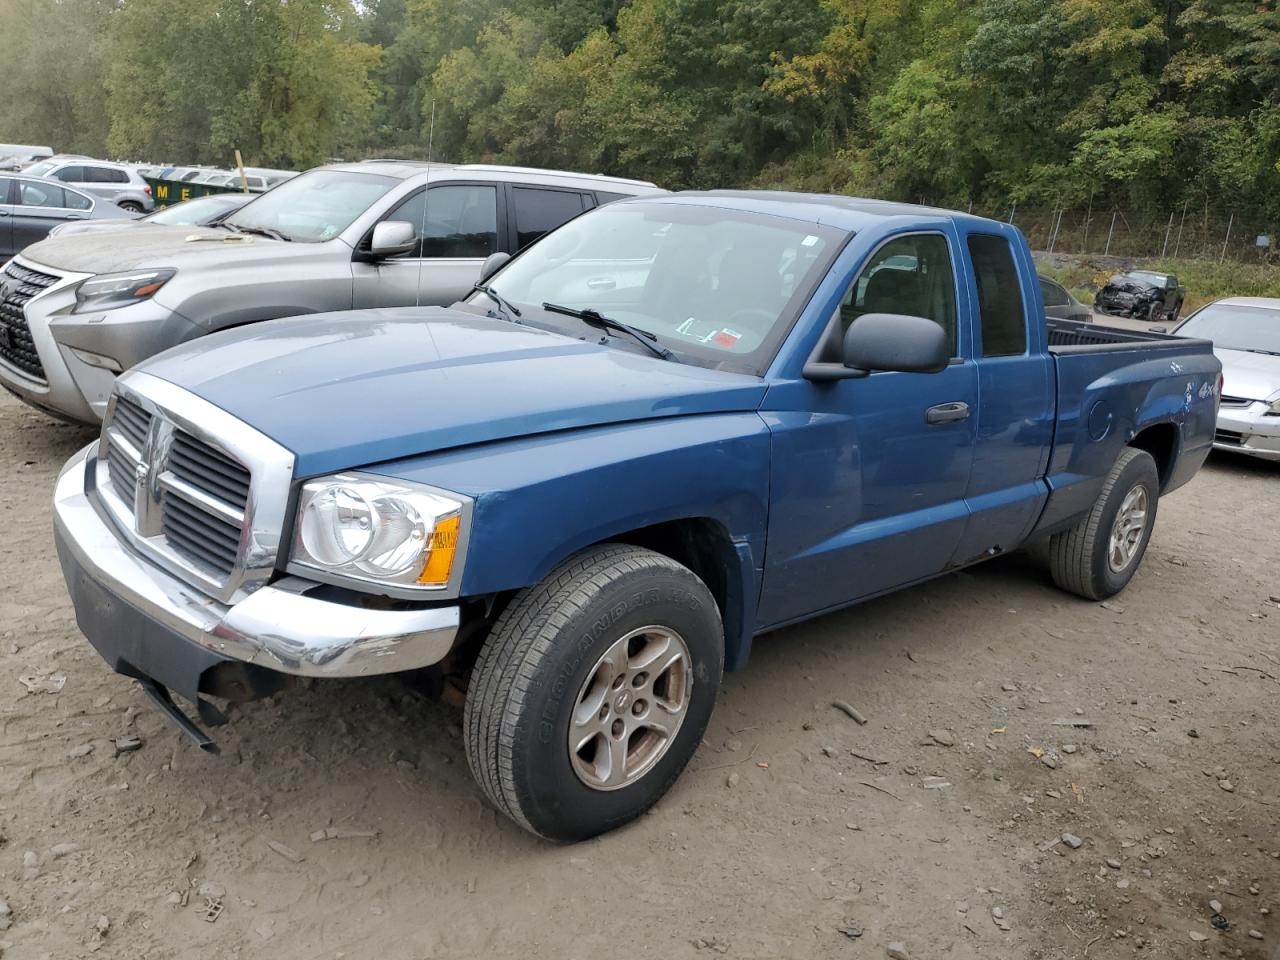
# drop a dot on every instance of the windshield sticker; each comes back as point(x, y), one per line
point(725, 338)
point(809, 241)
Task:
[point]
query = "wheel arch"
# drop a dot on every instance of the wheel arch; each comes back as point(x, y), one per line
point(1161, 440)
point(705, 546)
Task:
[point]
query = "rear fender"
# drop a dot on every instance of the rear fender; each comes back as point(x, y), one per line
point(1103, 407)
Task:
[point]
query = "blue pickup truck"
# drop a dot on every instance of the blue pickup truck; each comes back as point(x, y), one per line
point(662, 430)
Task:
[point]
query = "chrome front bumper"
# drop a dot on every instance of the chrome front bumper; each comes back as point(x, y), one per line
point(1248, 429)
point(278, 627)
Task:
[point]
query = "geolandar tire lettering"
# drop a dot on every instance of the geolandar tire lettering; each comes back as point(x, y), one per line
point(593, 690)
point(1098, 556)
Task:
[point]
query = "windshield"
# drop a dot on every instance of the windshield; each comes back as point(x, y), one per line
point(41, 168)
point(191, 211)
point(1236, 327)
point(1155, 279)
point(717, 287)
point(315, 206)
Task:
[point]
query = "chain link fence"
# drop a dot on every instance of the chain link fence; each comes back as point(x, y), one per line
point(1185, 231)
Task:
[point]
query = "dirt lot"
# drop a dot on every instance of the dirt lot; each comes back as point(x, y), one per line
point(777, 838)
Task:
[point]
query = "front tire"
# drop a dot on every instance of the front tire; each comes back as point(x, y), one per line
point(1098, 556)
point(593, 690)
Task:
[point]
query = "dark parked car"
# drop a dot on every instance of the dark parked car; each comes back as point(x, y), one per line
point(1058, 302)
point(30, 207)
point(199, 212)
point(1142, 295)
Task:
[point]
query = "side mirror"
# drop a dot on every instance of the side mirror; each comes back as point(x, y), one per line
point(892, 341)
point(492, 264)
point(392, 237)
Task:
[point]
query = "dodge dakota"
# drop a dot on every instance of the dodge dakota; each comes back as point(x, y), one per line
point(666, 428)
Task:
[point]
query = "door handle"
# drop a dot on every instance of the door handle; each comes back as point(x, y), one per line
point(602, 283)
point(947, 412)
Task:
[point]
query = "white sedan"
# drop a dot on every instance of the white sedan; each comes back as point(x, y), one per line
point(1246, 337)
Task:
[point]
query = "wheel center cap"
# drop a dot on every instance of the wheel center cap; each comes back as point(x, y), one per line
point(622, 701)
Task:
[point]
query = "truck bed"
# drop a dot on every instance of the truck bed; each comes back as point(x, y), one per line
point(1071, 336)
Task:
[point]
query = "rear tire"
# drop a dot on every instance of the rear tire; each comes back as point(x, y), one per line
point(564, 666)
point(130, 205)
point(1098, 557)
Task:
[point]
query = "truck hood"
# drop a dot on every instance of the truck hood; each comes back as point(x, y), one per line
point(157, 246)
point(352, 389)
point(1250, 376)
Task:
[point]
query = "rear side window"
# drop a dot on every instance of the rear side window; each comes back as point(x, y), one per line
point(541, 211)
point(1004, 328)
point(1054, 295)
point(909, 275)
point(104, 175)
point(76, 200)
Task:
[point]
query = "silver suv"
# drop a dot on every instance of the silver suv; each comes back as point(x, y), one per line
point(120, 184)
point(75, 311)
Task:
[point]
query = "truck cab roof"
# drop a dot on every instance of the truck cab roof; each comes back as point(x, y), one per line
point(837, 210)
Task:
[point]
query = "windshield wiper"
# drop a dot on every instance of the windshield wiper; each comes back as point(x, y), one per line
point(505, 305)
point(596, 318)
point(261, 231)
point(1269, 353)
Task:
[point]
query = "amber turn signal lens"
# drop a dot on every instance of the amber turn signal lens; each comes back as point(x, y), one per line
point(444, 545)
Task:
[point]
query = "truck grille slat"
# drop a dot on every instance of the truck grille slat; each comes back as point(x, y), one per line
point(133, 422)
point(209, 471)
point(121, 470)
point(17, 347)
point(199, 536)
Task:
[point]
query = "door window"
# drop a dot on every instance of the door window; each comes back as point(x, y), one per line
point(33, 194)
point(69, 174)
point(1004, 327)
point(461, 220)
point(541, 211)
point(6, 186)
point(910, 275)
point(1054, 295)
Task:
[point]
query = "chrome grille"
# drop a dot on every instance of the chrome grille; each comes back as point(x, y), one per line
point(19, 284)
point(192, 488)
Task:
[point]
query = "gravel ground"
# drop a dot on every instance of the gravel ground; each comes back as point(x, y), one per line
point(794, 833)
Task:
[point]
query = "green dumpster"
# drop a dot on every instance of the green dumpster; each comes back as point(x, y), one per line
point(168, 192)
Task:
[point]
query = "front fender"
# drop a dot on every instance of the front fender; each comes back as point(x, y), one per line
point(538, 500)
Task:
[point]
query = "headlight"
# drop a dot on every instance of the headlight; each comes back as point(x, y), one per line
point(1274, 409)
point(378, 531)
point(120, 289)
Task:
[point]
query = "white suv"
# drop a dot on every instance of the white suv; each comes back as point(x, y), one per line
point(116, 182)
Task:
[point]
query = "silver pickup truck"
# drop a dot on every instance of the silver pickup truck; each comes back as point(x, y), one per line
point(76, 311)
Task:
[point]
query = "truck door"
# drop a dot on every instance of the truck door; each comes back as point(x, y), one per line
point(457, 229)
point(1015, 415)
point(869, 475)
